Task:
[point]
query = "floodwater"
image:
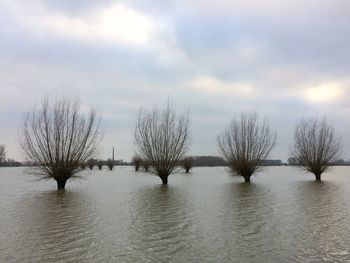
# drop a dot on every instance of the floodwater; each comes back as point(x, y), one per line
point(283, 215)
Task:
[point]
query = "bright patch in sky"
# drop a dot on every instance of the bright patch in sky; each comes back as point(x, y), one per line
point(115, 23)
point(323, 93)
point(215, 86)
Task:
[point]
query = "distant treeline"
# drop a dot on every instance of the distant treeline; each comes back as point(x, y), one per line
point(218, 161)
point(208, 161)
point(340, 162)
point(10, 163)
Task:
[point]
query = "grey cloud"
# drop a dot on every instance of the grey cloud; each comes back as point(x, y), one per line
point(278, 50)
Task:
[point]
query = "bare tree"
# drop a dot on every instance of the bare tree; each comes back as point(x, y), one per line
point(100, 165)
point(316, 147)
point(187, 163)
point(110, 164)
point(57, 138)
point(91, 163)
point(245, 144)
point(162, 137)
point(146, 164)
point(137, 161)
point(2, 153)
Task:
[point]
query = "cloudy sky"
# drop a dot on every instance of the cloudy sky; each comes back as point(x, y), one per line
point(285, 59)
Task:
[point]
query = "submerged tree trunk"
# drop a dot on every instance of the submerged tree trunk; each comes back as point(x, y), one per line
point(164, 179)
point(187, 170)
point(318, 177)
point(246, 178)
point(61, 183)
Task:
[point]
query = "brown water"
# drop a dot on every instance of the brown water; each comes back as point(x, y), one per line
point(206, 216)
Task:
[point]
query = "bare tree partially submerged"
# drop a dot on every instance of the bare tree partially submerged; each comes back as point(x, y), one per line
point(245, 144)
point(83, 166)
point(316, 147)
point(91, 163)
point(99, 165)
point(187, 163)
point(58, 139)
point(110, 164)
point(146, 164)
point(137, 161)
point(162, 137)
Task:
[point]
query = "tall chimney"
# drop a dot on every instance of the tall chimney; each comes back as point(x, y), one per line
point(113, 154)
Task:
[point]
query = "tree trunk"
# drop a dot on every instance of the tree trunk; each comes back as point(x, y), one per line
point(187, 170)
point(318, 177)
point(246, 178)
point(164, 179)
point(61, 183)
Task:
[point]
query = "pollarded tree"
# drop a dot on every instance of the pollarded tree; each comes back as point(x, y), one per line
point(58, 138)
point(146, 164)
point(245, 144)
point(110, 164)
point(316, 147)
point(91, 163)
point(137, 161)
point(100, 165)
point(187, 163)
point(162, 138)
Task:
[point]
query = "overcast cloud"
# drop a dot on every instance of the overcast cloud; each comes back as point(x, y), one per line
point(285, 59)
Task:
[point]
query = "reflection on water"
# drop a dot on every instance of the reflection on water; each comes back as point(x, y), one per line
point(323, 220)
point(247, 210)
point(54, 226)
point(161, 223)
point(208, 216)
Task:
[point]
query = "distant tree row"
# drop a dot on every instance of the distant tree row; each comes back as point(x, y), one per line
point(186, 163)
point(91, 163)
point(59, 139)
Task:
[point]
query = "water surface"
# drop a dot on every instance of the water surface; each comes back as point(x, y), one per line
point(206, 216)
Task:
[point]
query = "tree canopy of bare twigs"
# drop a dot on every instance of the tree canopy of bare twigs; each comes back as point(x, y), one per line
point(2, 153)
point(162, 138)
point(245, 144)
point(316, 147)
point(58, 138)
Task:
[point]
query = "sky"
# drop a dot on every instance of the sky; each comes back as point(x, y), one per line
point(286, 60)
